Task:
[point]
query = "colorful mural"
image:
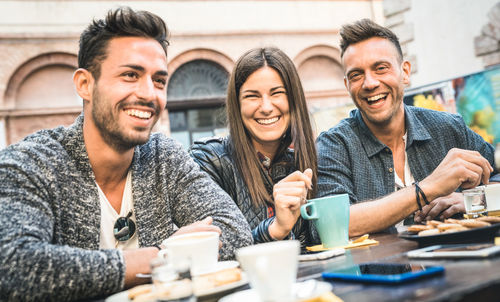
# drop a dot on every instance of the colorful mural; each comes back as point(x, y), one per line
point(476, 97)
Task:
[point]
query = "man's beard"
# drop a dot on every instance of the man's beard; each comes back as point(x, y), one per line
point(395, 107)
point(109, 127)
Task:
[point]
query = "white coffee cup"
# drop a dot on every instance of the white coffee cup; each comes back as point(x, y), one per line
point(492, 193)
point(200, 249)
point(271, 268)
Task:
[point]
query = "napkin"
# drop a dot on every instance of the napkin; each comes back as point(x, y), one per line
point(361, 241)
point(326, 297)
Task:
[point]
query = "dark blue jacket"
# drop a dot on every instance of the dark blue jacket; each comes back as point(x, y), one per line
point(214, 157)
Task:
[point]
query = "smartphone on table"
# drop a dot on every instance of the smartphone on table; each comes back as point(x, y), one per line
point(385, 273)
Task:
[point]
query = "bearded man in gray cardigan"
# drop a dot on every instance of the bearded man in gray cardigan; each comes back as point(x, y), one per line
point(62, 190)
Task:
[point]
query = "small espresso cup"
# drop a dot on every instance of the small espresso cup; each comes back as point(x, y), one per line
point(200, 249)
point(271, 268)
point(331, 218)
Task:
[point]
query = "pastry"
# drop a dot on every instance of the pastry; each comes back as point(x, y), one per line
point(418, 228)
point(457, 229)
point(139, 290)
point(434, 223)
point(212, 280)
point(473, 223)
point(428, 232)
point(447, 226)
point(227, 276)
point(489, 219)
point(451, 220)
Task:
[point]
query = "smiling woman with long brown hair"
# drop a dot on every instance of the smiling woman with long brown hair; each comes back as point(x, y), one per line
point(267, 164)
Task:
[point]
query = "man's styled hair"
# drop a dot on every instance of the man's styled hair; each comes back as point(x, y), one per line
point(365, 29)
point(299, 132)
point(122, 22)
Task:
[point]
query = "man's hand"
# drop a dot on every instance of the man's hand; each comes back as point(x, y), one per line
point(289, 194)
point(445, 207)
point(138, 261)
point(204, 225)
point(460, 168)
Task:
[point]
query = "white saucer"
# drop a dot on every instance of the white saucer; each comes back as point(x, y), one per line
point(222, 265)
point(302, 291)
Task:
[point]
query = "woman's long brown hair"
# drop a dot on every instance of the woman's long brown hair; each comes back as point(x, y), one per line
point(299, 132)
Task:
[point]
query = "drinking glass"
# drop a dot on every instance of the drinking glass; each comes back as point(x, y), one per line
point(172, 282)
point(474, 201)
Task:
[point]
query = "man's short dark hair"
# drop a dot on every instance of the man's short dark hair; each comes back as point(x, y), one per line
point(365, 29)
point(122, 22)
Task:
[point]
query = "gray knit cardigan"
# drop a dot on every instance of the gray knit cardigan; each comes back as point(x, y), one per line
point(50, 213)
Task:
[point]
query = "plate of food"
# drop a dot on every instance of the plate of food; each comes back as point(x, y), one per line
point(203, 286)
point(480, 229)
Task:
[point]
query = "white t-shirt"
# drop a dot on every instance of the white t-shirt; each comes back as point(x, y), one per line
point(109, 217)
point(399, 184)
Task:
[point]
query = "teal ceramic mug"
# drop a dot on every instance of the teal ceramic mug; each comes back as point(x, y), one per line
point(331, 218)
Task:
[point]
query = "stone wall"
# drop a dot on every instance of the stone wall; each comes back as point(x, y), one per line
point(394, 12)
point(440, 38)
point(487, 44)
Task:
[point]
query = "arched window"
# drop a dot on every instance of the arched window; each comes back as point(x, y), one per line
point(322, 77)
point(321, 73)
point(195, 99)
point(50, 86)
point(40, 94)
point(199, 79)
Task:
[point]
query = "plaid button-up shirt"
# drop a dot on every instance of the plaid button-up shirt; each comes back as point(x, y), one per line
point(352, 160)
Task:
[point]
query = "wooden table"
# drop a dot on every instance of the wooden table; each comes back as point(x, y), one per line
point(464, 280)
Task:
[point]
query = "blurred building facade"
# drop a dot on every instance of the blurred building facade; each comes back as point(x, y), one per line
point(445, 39)
point(39, 45)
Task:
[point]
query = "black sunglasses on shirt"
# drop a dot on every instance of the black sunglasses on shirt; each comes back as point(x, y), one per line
point(124, 228)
